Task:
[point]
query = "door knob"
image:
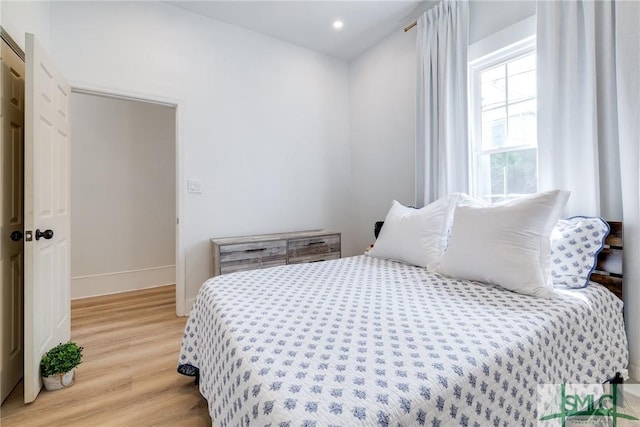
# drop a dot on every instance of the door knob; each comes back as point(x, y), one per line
point(16, 235)
point(47, 234)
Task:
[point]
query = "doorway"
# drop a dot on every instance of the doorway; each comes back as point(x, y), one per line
point(123, 182)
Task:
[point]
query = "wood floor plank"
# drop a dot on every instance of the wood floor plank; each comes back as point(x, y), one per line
point(128, 376)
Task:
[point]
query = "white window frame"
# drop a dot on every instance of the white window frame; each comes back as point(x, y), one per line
point(511, 43)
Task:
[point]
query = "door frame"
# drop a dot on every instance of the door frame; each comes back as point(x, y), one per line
point(180, 261)
point(5, 38)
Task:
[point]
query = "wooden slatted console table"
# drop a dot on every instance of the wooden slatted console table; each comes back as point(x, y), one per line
point(232, 254)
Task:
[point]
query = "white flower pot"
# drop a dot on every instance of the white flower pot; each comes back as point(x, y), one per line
point(58, 381)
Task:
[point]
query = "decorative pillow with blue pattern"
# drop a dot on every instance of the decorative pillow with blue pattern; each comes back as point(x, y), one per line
point(575, 245)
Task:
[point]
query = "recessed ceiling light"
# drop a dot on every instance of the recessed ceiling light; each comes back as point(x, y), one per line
point(338, 24)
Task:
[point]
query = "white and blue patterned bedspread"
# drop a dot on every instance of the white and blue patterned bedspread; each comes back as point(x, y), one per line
point(364, 341)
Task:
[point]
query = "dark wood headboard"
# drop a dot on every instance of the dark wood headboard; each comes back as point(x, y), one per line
point(608, 271)
point(609, 268)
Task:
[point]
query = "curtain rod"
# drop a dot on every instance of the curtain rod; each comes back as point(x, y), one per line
point(410, 26)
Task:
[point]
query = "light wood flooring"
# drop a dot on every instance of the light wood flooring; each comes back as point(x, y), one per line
point(128, 377)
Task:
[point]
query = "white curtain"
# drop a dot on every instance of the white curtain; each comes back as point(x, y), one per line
point(588, 121)
point(441, 122)
point(577, 125)
point(627, 15)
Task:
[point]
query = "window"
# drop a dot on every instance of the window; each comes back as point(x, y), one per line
point(503, 122)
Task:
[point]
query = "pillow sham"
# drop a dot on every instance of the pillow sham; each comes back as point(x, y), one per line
point(575, 245)
point(504, 244)
point(415, 236)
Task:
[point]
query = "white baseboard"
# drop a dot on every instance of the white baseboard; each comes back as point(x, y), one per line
point(634, 372)
point(122, 281)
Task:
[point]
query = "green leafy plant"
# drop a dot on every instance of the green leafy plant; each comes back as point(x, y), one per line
point(61, 359)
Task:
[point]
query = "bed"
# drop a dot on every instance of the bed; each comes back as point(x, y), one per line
point(371, 341)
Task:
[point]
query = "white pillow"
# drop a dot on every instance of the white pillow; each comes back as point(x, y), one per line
point(505, 244)
point(575, 245)
point(415, 236)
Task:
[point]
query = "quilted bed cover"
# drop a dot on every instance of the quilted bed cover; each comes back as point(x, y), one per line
point(364, 341)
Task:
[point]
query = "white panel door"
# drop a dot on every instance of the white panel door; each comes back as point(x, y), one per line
point(11, 226)
point(47, 306)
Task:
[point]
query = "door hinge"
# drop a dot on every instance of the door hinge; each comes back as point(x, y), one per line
point(28, 235)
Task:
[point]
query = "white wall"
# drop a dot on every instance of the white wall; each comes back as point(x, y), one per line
point(20, 17)
point(487, 17)
point(262, 123)
point(382, 96)
point(124, 199)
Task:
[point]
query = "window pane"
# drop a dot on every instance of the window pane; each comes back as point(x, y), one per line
point(522, 64)
point(504, 121)
point(522, 78)
point(521, 168)
point(492, 87)
point(494, 128)
point(491, 176)
point(522, 124)
point(502, 175)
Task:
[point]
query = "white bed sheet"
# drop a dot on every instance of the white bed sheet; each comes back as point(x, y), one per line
point(364, 341)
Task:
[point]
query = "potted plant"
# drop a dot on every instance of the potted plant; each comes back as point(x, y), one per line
point(57, 366)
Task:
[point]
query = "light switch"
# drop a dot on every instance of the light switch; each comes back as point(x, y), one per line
point(194, 186)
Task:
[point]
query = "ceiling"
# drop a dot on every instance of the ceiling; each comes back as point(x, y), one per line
point(310, 23)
